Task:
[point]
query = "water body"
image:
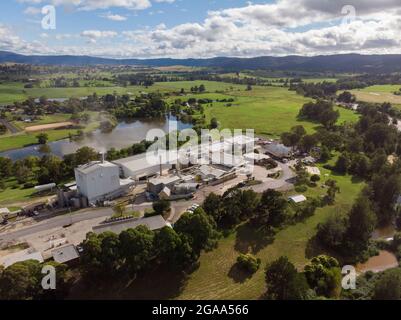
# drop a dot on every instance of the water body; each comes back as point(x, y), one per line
point(123, 136)
point(385, 260)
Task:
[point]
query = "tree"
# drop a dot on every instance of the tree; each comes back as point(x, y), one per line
point(22, 174)
point(360, 165)
point(161, 207)
point(42, 138)
point(136, 248)
point(271, 211)
point(213, 206)
point(388, 286)
point(343, 163)
point(91, 265)
point(362, 222)
point(346, 97)
point(110, 254)
point(284, 282)
point(331, 232)
point(331, 192)
point(20, 281)
point(3, 129)
point(173, 250)
point(6, 167)
point(199, 228)
point(308, 142)
point(248, 262)
point(119, 209)
point(324, 275)
point(214, 124)
point(202, 88)
point(85, 155)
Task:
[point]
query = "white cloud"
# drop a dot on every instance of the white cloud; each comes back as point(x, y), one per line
point(114, 17)
point(253, 30)
point(32, 11)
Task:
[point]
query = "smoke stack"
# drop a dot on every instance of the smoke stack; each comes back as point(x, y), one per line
point(103, 157)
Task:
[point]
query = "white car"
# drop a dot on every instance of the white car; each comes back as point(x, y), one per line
point(192, 208)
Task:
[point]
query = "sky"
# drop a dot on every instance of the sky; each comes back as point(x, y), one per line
point(200, 28)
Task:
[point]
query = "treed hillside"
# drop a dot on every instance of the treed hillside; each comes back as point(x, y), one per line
point(334, 63)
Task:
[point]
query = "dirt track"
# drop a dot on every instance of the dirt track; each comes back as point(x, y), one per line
point(49, 126)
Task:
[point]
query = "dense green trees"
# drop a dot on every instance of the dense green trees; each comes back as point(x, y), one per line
point(233, 207)
point(199, 228)
point(349, 234)
point(23, 281)
point(324, 276)
point(133, 251)
point(271, 211)
point(388, 286)
point(320, 111)
point(284, 282)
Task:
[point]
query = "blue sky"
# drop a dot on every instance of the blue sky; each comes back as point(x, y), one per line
point(201, 28)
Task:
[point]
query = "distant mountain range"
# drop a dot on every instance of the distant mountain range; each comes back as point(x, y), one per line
point(329, 63)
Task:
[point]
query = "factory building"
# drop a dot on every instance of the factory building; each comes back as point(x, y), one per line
point(100, 180)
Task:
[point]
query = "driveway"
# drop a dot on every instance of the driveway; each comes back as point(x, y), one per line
point(13, 129)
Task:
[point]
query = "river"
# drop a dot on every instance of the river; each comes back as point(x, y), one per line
point(124, 135)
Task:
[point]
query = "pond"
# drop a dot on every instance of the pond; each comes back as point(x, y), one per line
point(385, 260)
point(124, 135)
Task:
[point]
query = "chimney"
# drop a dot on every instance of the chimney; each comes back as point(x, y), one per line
point(103, 157)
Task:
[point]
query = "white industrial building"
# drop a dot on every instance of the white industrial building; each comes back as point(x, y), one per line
point(143, 166)
point(100, 180)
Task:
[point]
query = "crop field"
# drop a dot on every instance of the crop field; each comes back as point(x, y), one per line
point(216, 277)
point(379, 94)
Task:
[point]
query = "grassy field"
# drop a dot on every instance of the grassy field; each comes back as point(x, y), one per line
point(217, 279)
point(23, 139)
point(379, 94)
point(269, 110)
point(15, 91)
point(46, 119)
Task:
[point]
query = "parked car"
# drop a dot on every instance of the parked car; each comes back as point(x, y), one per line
point(192, 208)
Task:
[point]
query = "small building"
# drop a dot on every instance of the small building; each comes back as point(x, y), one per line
point(255, 157)
point(186, 188)
point(209, 173)
point(67, 254)
point(4, 211)
point(279, 150)
point(45, 187)
point(165, 194)
point(153, 223)
point(297, 199)
point(156, 185)
point(313, 171)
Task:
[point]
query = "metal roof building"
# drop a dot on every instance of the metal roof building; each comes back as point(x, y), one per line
point(153, 223)
point(65, 254)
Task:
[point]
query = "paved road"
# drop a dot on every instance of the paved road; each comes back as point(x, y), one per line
point(55, 223)
point(13, 129)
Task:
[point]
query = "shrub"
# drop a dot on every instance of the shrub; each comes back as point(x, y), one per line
point(248, 262)
point(315, 178)
point(301, 188)
point(29, 185)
